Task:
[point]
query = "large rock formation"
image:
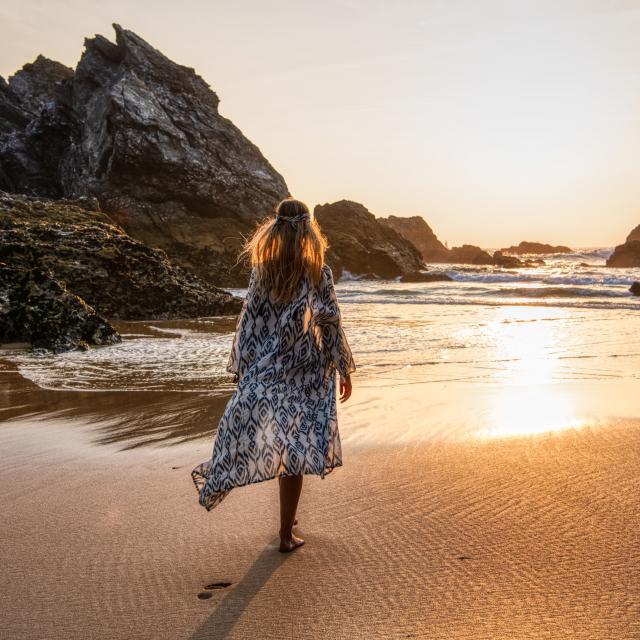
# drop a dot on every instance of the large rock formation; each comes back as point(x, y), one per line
point(416, 230)
point(95, 259)
point(536, 248)
point(361, 245)
point(144, 136)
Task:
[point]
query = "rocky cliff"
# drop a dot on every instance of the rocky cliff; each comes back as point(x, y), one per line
point(98, 261)
point(360, 244)
point(416, 230)
point(144, 136)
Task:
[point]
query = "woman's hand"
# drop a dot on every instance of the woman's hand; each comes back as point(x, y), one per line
point(345, 388)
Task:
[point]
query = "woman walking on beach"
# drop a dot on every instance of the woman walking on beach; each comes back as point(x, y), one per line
point(282, 421)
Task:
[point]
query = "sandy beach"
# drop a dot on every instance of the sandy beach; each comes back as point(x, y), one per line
point(449, 536)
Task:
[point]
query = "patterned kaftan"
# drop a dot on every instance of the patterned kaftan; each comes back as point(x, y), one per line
point(282, 418)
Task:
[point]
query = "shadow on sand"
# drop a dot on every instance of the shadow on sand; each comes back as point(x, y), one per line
point(128, 418)
point(229, 610)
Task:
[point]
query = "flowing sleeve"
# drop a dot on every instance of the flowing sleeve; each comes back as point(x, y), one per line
point(334, 340)
point(243, 347)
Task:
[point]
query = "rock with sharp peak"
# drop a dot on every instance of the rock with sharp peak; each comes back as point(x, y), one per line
point(416, 230)
point(360, 244)
point(144, 136)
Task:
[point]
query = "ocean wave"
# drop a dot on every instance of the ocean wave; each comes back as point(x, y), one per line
point(559, 292)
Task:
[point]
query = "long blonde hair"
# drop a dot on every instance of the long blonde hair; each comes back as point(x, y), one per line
point(286, 248)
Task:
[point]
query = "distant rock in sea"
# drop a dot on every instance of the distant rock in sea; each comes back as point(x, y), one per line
point(416, 230)
point(144, 136)
point(536, 247)
point(81, 248)
point(470, 254)
point(360, 244)
point(635, 288)
point(507, 262)
point(426, 276)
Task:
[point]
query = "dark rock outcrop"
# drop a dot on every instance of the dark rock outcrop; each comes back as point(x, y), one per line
point(36, 308)
point(144, 136)
point(507, 262)
point(426, 276)
point(535, 248)
point(635, 288)
point(416, 230)
point(625, 255)
point(95, 259)
point(361, 245)
point(470, 254)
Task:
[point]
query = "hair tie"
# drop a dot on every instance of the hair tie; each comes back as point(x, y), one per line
point(293, 221)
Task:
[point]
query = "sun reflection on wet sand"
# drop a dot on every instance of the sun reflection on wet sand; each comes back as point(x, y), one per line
point(531, 399)
point(530, 410)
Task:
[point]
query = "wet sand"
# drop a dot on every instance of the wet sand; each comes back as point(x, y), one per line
point(460, 535)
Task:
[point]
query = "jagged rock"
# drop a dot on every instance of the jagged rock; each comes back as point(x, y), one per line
point(625, 255)
point(416, 230)
point(426, 276)
point(635, 288)
point(470, 254)
point(35, 308)
point(360, 244)
point(144, 136)
point(634, 235)
point(97, 260)
point(536, 247)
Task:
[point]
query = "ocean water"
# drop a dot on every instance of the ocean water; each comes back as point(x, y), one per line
point(572, 318)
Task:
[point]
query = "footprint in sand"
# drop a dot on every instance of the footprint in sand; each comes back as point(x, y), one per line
point(218, 585)
point(208, 593)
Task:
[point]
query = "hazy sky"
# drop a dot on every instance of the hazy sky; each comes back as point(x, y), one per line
point(496, 121)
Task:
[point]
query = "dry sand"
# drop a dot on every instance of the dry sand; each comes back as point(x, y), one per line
point(522, 537)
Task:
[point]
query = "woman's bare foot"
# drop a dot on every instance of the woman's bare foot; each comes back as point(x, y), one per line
point(289, 543)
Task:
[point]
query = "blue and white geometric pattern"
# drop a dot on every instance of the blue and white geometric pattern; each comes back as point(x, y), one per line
point(282, 418)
